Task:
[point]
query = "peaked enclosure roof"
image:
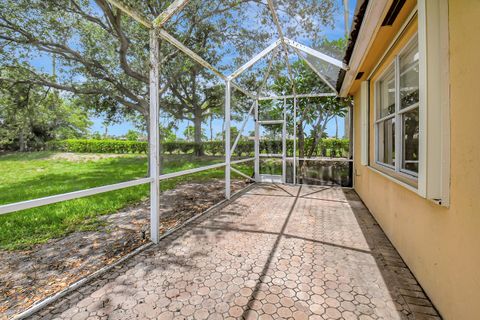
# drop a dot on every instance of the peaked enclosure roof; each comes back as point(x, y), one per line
point(289, 32)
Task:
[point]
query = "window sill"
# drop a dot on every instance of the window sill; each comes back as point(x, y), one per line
point(411, 185)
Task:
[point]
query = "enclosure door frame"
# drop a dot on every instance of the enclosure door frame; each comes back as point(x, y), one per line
point(259, 177)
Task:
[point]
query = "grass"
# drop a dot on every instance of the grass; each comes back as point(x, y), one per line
point(32, 175)
point(271, 166)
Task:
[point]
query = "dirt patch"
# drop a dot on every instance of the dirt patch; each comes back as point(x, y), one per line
point(30, 276)
point(81, 157)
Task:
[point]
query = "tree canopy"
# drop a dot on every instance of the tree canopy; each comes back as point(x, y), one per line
point(313, 113)
point(101, 55)
point(31, 115)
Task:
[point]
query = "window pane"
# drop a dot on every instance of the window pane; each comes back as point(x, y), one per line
point(409, 76)
point(386, 141)
point(386, 88)
point(410, 131)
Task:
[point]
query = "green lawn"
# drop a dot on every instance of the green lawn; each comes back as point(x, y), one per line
point(271, 166)
point(33, 175)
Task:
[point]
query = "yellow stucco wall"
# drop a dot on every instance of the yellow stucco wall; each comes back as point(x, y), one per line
point(440, 245)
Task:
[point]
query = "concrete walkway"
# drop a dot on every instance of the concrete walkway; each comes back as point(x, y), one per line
point(275, 252)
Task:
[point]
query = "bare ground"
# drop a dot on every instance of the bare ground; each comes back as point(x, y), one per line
point(29, 276)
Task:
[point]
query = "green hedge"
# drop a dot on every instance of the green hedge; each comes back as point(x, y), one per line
point(328, 147)
point(99, 146)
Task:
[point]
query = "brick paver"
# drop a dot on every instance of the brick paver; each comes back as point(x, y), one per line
point(276, 252)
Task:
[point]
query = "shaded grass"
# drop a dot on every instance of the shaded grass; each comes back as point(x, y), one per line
point(271, 166)
point(34, 175)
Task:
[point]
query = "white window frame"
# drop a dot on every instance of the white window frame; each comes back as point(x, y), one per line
point(364, 116)
point(401, 111)
point(433, 40)
point(376, 93)
point(397, 115)
point(433, 181)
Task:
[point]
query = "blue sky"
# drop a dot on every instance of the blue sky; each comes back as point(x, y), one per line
point(118, 129)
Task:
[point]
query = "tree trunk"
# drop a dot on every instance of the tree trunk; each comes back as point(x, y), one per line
point(147, 120)
point(160, 147)
point(197, 138)
point(211, 127)
point(315, 135)
point(301, 148)
point(336, 127)
point(21, 141)
point(301, 139)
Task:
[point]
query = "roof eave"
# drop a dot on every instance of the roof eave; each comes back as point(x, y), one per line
point(367, 20)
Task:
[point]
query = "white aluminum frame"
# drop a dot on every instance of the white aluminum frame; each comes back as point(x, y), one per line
point(174, 7)
point(396, 115)
point(300, 56)
point(254, 60)
point(28, 204)
point(316, 54)
point(237, 139)
point(228, 154)
point(154, 134)
point(156, 33)
point(260, 177)
point(308, 95)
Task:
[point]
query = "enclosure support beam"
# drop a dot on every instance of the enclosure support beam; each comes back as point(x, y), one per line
point(311, 95)
point(271, 6)
point(23, 205)
point(177, 44)
point(180, 46)
point(267, 73)
point(257, 145)
point(295, 140)
point(173, 8)
point(316, 54)
point(284, 142)
point(254, 60)
point(239, 135)
point(227, 140)
point(318, 73)
point(154, 138)
point(131, 12)
point(240, 173)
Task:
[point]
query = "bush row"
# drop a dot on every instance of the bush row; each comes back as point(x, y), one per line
point(328, 147)
point(98, 146)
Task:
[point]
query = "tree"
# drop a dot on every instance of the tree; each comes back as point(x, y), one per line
point(190, 133)
point(132, 135)
point(103, 55)
point(201, 103)
point(31, 115)
point(312, 112)
point(167, 134)
point(233, 134)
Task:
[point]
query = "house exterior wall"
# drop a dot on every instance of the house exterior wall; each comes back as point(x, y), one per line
point(440, 245)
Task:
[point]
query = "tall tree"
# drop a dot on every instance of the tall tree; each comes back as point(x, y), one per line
point(314, 113)
point(102, 55)
point(190, 133)
point(31, 115)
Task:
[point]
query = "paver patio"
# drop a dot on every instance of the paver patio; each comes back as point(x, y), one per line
point(274, 252)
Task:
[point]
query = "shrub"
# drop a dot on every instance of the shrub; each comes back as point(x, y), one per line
point(170, 147)
point(185, 146)
point(327, 147)
point(214, 147)
point(245, 147)
point(98, 146)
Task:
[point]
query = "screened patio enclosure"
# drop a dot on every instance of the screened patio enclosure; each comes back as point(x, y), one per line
point(247, 69)
point(283, 48)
